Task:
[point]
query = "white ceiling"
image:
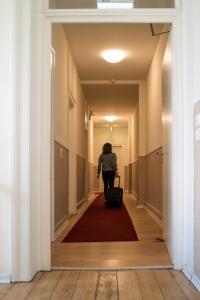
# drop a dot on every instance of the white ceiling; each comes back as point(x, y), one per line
point(118, 100)
point(87, 41)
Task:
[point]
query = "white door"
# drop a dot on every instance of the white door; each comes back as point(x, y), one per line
point(118, 151)
point(166, 144)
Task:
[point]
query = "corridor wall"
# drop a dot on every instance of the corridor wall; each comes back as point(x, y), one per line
point(66, 84)
point(153, 161)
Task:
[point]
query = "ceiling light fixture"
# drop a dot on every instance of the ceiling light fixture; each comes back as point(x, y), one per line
point(110, 118)
point(113, 56)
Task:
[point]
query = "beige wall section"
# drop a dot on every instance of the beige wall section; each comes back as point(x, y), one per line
point(197, 192)
point(154, 98)
point(142, 119)
point(154, 3)
point(80, 178)
point(61, 161)
point(91, 141)
point(60, 86)
point(154, 183)
point(81, 108)
point(66, 85)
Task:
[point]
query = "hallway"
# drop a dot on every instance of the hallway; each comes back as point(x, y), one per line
point(146, 253)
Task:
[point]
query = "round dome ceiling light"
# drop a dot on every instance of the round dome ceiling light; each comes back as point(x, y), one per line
point(113, 56)
point(110, 118)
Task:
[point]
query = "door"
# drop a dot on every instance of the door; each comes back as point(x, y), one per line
point(166, 145)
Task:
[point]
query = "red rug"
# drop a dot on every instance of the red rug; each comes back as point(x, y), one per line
point(101, 224)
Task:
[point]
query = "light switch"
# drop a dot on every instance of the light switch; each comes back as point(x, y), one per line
point(197, 134)
point(197, 120)
point(61, 153)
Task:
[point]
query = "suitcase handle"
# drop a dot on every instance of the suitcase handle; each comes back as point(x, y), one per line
point(119, 180)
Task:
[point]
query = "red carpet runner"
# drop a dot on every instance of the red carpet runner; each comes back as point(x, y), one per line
point(101, 224)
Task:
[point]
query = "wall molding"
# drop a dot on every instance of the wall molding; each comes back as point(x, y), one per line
point(5, 278)
point(196, 281)
point(153, 151)
point(61, 228)
point(192, 278)
point(152, 211)
point(134, 194)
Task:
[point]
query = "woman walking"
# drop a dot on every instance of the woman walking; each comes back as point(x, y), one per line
point(108, 164)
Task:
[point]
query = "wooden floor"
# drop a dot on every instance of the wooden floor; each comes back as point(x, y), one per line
point(92, 285)
point(146, 253)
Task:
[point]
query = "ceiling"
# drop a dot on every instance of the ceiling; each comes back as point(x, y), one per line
point(118, 100)
point(87, 41)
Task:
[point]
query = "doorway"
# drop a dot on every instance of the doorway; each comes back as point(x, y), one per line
point(79, 107)
point(176, 129)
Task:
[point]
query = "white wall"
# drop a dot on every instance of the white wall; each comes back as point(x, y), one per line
point(91, 141)
point(6, 134)
point(118, 136)
point(191, 90)
point(154, 98)
point(61, 102)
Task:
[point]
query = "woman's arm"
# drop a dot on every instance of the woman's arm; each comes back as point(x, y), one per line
point(115, 164)
point(100, 160)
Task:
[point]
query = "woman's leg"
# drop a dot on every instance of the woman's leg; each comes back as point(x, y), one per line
point(111, 179)
point(105, 176)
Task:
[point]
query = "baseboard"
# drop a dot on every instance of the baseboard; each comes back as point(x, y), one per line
point(196, 281)
point(90, 194)
point(61, 228)
point(134, 194)
point(5, 278)
point(80, 202)
point(193, 278)
point(153, 215)
point(140, 206)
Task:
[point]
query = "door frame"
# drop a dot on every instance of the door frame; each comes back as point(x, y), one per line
point(161, 16)
point(46, 18)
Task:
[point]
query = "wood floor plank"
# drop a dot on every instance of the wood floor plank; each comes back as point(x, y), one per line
point(4, 289)
point(187, 287)
point(148, 285)
point(21, 290)
point(128, 286)
point(168, 285)
point(86, 286)
point(66, 285)
point(107, 286)
point(45, 286)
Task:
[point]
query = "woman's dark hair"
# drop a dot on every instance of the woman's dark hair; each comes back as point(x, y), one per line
point(107, 148)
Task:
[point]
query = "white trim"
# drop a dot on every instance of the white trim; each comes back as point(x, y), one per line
point(158, 12)
point(110, 82)
point(140, 206)
point(22, 258)
point(152, 214)
point(134, 194)
point(80, 202)
point(5, 278)
point(196, 281)
point(62, 227)
point(53, 61)
point(192, 278)
point(161, 267)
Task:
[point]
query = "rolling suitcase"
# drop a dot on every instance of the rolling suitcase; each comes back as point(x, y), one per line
point(114, 196)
